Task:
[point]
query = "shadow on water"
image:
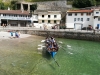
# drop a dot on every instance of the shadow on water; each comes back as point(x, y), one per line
point(46, 54)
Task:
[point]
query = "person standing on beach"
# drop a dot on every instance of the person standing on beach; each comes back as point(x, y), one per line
point(16, 34)
point(11, 33)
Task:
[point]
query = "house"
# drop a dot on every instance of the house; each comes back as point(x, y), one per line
point(48, 18)
point(16, 18)
point(77, 19)
point(96, 18)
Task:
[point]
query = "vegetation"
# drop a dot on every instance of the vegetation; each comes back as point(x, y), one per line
point(84, 3)
point(75, 3)
point(33, 7)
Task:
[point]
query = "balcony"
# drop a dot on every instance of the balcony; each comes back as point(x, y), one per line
point(15, 18)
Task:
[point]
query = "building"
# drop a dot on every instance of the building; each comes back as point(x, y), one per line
point(48, 18)
point(16, 18)
point(77, 19)
point(96, 18)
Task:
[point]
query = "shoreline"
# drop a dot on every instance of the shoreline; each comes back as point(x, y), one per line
point(7, 35)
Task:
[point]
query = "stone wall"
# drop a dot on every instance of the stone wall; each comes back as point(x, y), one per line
point(90, 36)
point(44, 5)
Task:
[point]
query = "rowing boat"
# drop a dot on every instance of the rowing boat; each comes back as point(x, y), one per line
point(53, 53)
point(53, 50)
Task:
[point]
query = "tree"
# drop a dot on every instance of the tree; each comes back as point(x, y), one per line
point(83, 3)
point(33, 7)
point(13, 4)
point(2, 6)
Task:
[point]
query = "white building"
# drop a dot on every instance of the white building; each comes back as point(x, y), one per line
point(77, 19)
point(96, 18)
point(48, 18)
point(16, 18)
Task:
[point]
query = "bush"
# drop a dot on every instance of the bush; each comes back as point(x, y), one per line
point(62, 27)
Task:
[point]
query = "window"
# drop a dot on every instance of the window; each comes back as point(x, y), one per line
point(4, 14)
point(78, 19)
point(74, 19)
point(35, 21)
point(86, 13)
point(48, 21)
point(81, 19)
point(88, 19)
point(48, 16)
point(89, 13)
point(97, 12)
point(99, 19)
point(75, 14)
point(55, 16)
point(70, 14)
point(55, 21)
point(42, 21)
point(81, 14)
point(42, 15)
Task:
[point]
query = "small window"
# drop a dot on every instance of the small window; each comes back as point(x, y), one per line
point(42, 15)
point(35, 21)
point(89, 13)
point(97, 12)
point(88, 19)
point(70, 14)
point(99, 19)
point(48, 21)
point(81, 19)
point(81, 14)
point(48, 16)
point(78, 19)
point(55, 21)
point(74, 19)
point(55, 16)
point(75, 14)
point(42, 21)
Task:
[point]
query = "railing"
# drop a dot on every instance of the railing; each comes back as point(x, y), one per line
point(15, 18)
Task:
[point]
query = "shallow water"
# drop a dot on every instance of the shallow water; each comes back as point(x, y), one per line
point(75, 57)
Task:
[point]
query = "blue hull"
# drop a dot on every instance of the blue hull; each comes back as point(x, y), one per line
point(53, 54)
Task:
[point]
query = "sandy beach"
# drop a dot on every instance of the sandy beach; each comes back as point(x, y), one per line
point(7, 35)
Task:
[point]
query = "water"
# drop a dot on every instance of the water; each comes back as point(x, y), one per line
point(75, 57)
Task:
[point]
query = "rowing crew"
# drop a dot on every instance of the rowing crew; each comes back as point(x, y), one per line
point(51, 44)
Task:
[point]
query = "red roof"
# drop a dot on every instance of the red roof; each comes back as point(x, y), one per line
point(14, 12)
point(79, 11)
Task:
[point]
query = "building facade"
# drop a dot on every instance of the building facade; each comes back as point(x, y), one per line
point(96, 18)
point(15, 18)
point(49, 18)
point(77, 19)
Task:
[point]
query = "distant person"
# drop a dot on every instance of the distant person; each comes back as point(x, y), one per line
point(11, 34)
point(16, 35)
point(5, 25)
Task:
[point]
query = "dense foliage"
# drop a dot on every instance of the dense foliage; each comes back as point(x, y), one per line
point(33, 7)
point(83, 3)
point(75, 3)
point(2, 6)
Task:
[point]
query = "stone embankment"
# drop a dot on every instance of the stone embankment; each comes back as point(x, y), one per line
point(79, 35)
point(60, 33)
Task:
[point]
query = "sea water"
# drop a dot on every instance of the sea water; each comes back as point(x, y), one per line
point(75, 57)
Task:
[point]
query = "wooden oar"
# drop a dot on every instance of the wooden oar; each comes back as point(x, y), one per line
point(56, 61)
